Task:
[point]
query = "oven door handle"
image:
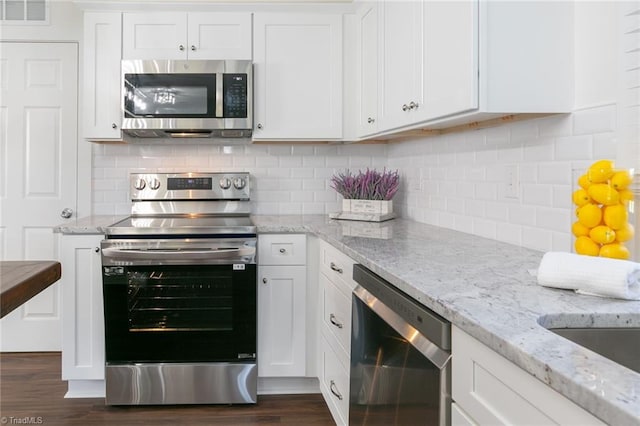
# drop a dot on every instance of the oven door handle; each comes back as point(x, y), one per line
point(177, 254)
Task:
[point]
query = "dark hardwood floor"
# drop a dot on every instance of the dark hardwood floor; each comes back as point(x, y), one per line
point(31, 390)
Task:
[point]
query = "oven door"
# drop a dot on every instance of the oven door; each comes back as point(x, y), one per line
point(179, 301)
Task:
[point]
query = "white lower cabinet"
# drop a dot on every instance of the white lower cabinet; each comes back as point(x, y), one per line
point(490, 390)
point(334, 344)
point(282, 332)
point(82, 315)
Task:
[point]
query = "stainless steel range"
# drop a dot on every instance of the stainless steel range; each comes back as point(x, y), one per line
point(179, 281)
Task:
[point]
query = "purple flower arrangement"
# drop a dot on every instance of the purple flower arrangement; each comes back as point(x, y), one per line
point(368, 185)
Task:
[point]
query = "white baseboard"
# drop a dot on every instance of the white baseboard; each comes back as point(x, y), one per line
point(85, 389)
point(287, 385)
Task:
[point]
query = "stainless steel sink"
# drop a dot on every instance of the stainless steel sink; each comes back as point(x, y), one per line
point(621, 345)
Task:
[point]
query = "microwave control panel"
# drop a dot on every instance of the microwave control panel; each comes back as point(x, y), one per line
point(235, 95)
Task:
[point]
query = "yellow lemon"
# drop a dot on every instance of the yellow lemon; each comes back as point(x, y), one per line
point(579, 230)
point(625, 233)
point(621, 180)
point(590, 215)
point(600, 171)
point(615, 216)
point(584, 182)
point(602, 234)
point(580, 197)
point(615, 251)
point(625, 196)
point(585, 245)
point(604, 194)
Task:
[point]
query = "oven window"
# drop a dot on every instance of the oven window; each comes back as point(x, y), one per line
point(179, 300)
point(170, 95)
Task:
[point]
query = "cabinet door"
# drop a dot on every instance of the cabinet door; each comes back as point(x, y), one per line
point(83, 314)
point(368, 48)
point(158, 35)
point(281, 321)
point(102, 52)
point(298, 76)
point(219, 36)
point(402, 61)
point(450, 77)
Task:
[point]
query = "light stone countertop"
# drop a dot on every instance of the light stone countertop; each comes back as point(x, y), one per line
point(487, 289)
point(87, 225)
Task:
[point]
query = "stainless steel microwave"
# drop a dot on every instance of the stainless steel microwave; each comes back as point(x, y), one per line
point(187, 99)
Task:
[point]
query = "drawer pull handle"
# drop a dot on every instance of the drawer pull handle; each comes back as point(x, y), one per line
point(335, 268)
point(334, 390)
point(332, 319)
point(283, 250)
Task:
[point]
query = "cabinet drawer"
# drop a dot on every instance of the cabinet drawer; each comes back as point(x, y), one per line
point(337, 265)
point(336, 313)
point(282, 249)
point(334, 382)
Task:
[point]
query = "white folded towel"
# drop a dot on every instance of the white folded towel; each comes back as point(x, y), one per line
point(598, 276)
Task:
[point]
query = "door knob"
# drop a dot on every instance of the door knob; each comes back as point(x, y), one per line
point(66, 213)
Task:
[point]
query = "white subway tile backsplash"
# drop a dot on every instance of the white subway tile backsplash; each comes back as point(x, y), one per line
point(538, 239)
point(594, 120)
point(559, 173)
point(553, 219)
point(522, 215)
point(538, 195)
point(485, 228)
point(557, 125)
point(509, 233)
point(573, 148)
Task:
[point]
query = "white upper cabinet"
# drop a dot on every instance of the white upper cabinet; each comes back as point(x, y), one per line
point(401, 54)
point(180, 35)
point(445, 63)
point(368, 48)
point(101, 90)
point(297, 76)
point(428, 66)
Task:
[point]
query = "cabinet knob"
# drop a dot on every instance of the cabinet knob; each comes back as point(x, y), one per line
point(370, 120)
point(97, 249)
point(114, 126)
point(413, 105)
point(66, 213)
point(282, 250)
point(181, 48)
point(405, 107)
point(264, 281)
point(193, 48)
point(259, 126)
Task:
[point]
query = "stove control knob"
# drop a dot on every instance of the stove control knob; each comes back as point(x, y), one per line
point(139, 184)
point(239, 183)
point(154, 184)
point(225, 183)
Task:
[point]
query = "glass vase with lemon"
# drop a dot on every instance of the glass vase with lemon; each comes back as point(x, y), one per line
point(605, 212)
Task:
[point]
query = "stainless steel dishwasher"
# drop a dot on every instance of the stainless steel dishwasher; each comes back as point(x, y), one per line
point(400, 357)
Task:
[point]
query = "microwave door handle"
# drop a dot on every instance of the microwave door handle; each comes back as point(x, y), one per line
point(177, 254)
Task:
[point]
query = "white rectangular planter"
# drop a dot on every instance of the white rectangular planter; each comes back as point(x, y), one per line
point(367, 206)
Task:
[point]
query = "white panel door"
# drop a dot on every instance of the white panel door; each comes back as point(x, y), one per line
point(219, 36)
point(157, 35)
point(38, 142)
point(298, 76)
point(281, 321)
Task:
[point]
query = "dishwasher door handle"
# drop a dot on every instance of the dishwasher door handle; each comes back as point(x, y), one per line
point(439, 357)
